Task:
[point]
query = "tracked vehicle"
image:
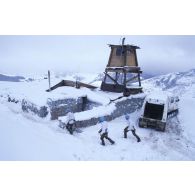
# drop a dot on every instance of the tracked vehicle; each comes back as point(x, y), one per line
point(157, 109)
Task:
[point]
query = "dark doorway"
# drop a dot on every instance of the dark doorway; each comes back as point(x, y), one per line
point(153, 111)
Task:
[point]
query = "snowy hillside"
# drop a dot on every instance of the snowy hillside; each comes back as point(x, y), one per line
point(11, 78)
point(26, 137)
point(179, 83)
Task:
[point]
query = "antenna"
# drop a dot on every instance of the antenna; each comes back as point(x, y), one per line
point(123, 41)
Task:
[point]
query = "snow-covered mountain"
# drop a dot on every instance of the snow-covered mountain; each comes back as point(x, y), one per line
point(10, 78)
point(179, 82)
point(27, 137)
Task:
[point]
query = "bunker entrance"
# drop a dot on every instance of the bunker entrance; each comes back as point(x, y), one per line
point(153, 111)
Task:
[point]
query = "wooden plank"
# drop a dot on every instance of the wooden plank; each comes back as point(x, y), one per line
point(127, 46)
point(111, 78)
point(139, 79)
point(71, 84)
point(121, 69)
point(125, 78)
point(60, 84)
point(86, 85)
point(131, 79)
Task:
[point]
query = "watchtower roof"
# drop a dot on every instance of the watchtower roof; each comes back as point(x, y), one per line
point(126, 46)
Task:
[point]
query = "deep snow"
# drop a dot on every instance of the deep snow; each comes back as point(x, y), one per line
point(27, 137)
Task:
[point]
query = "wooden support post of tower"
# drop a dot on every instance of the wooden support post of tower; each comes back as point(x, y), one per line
point(125, 63)
point(139, 80)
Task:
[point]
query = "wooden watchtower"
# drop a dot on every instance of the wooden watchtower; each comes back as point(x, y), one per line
point(122, 73)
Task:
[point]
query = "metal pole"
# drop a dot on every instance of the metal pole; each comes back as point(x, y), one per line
point(49, 79)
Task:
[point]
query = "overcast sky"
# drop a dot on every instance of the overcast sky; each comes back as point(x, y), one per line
point(37, 54)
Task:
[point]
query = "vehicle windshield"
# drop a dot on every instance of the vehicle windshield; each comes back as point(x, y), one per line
point(153, 111)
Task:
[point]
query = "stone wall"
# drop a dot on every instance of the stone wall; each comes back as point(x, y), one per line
point(63, 107)
point(59, 107)
point(124, 106)
point(30, 107)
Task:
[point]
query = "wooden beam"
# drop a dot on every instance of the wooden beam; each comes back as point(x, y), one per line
point(132, 78)
point(86, 85)
point(60, 84)
point(111, 78)
point(138, 71)
point(105, 76)
point(125, 57)
point(116, 76)
point(125, 78)
point(71, 84)
point(133, 69)
point(139, 79)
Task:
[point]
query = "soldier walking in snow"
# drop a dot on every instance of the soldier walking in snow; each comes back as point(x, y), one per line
point(104, 131)
point(130, 127)
point(70, 124)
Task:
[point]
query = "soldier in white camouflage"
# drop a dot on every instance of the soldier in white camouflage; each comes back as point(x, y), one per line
point(70, 124)
point(130, 127)
point(104, 131)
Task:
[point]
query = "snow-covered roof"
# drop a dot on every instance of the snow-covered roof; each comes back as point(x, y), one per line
point(35, 92)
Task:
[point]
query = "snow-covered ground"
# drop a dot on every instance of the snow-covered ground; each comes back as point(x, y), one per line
point(27, 137)
point(35, 91)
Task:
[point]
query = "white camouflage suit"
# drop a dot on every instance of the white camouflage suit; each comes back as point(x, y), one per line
point(131, 127)
point(104, 133)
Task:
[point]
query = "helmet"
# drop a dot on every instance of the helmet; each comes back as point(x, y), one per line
point(127, 117)
point(101, 119)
